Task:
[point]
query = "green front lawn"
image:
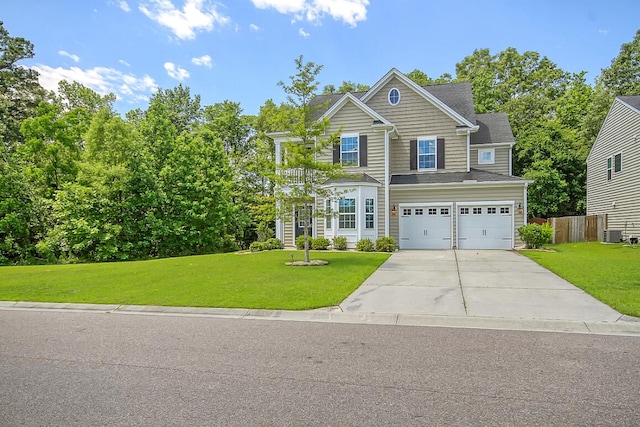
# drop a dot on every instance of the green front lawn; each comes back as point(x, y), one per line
point(255, 280)
point(610, 273)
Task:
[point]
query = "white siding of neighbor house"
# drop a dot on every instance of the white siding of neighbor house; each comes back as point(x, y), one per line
point(501, 164)
point(620, 133)
point(415, 116)
point(471, 193)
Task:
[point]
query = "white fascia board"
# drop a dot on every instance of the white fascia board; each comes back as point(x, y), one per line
point(349, 97)
point(468, 184)
point(494, 145)
point(604, 124)
point(419, 90)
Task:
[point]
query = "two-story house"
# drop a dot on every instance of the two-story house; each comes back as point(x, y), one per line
point(422, 166)
point(613, 168)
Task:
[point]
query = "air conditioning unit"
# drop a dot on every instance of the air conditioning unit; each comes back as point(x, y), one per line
point(613, 236)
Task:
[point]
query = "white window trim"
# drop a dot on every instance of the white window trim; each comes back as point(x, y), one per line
point(355, 213)
point(487, 150)
point(350, 135)
point(389, 96)
point(435, 154)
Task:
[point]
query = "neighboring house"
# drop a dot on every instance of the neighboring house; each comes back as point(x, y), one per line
point(613, 168)
point(422, 168)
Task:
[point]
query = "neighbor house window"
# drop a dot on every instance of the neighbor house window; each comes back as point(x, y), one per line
point(369, 213)
point(617, 162)
point(347, 213)
point(394, 96)
point(609, 169)
point(427, 153)
point(327, 210)
point(349, 150)
point(486, 156)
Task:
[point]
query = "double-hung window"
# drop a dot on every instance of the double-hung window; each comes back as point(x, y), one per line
point(327, 211)
point(349, 149)
point(427, 153)
point(369, 213)
point(347, 213)
point(609, 170)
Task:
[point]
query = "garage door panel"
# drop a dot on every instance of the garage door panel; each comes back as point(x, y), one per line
point(485, 227)
point(425, 227)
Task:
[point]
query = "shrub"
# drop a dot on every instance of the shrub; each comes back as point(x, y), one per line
point(263, 231)
point(365, 245)
point(385, 244)
point(300, 242)
point(534, 235)
point(340, 243)
point(320, 243)
point(258, 246)
point(274, 243)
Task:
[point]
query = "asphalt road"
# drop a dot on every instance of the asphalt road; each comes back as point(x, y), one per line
point(116, 369)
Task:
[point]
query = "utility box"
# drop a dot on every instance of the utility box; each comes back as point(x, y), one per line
point(613, 236)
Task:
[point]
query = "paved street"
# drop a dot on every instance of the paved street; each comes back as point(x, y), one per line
point(92, 368)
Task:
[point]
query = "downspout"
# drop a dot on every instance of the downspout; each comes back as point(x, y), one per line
point(511, 160)
point(468, 150)
point(386, 182)
point(279, 227)
point(526, 205)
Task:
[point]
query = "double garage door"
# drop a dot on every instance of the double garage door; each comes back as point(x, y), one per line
point(478, 227)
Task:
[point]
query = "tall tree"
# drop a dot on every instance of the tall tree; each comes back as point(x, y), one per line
point(302, 176)
point(20, 91)
point(184, 110)
point(422, 79)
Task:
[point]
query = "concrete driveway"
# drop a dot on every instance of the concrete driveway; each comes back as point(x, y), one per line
point(498, 284)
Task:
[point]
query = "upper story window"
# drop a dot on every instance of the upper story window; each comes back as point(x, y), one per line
point(486, 156)
point(394, 96)
point(349, 150)
point(614, 164)
point(427, 153)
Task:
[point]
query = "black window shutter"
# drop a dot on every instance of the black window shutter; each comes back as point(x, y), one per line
point(413, 154)
point(336, 153)
point(440, 153)
point(362, 157)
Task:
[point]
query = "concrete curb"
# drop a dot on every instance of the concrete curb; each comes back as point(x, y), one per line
point(626, 325)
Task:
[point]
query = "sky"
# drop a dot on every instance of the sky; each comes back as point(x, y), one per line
point(239, 50)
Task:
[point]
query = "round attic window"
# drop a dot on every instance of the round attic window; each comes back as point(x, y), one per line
point(394, 96)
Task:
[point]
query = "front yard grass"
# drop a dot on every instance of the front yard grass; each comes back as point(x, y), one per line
point(254, 280)
point(610, 273)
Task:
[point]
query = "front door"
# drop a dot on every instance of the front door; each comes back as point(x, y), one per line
point(301, 217)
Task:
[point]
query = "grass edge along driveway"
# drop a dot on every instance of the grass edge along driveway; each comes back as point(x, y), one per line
point(609, 273)
point(234, 280)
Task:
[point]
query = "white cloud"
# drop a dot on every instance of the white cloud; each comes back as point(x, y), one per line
point(604, 32)
point(74, 58)
point(196, 15)
point(176, 71)
point(348, 11)
point(204, 60)
point(303, 33)
point(103, 80)
point(254, 27)
point(122, 4)
point(123, 62)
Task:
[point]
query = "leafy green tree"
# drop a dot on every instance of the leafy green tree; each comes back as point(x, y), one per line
point(346, 86)
point(20, 91)
point(184, 111)
point(422, 79)
point(302, 176)
point(548, 192)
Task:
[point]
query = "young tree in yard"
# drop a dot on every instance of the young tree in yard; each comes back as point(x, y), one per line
point(302, 177)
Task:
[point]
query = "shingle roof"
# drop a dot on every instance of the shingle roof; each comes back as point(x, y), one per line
point(360, 177)
point(634, 101)
point(494, 127)
point(452, 177)
point(457, 96)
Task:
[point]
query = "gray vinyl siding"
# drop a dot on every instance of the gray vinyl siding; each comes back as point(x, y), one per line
point(353, 120)
point(501, 164)
point(619, 134)
point(475, 193)
point(414, 116)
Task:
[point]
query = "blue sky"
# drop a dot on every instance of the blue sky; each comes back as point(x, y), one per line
point(240, 49)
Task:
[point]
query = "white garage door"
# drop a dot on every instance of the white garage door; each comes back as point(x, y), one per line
point(425, 227)
point(485, 227)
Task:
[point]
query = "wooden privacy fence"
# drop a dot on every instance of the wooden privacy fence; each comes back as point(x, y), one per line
point(585, 228)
